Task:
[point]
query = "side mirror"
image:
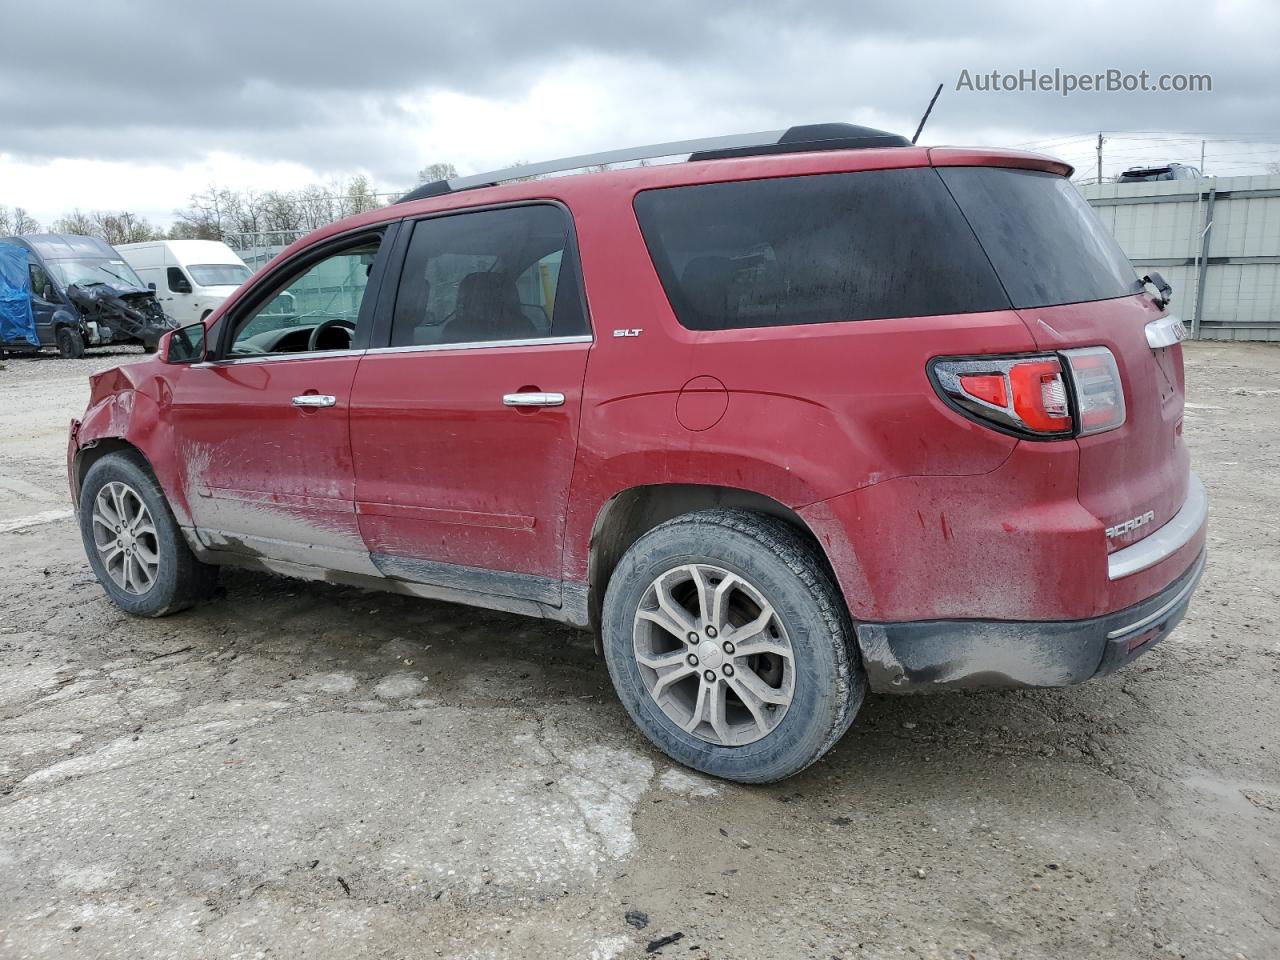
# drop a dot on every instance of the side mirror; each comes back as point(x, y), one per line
point(184, 345)
point(151, 287)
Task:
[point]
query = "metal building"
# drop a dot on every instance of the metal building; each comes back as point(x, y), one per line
point(1217, 240)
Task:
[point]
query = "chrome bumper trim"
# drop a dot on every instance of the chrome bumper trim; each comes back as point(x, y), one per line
point(1160, 614)
point(1170, 538)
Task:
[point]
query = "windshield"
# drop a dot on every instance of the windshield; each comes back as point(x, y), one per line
point(115, 272)
point(218, 274)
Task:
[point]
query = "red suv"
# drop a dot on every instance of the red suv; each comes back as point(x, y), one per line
point(808, 413)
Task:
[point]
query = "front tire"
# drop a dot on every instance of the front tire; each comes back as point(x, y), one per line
point(133, 542)
point(70, 344)
point(730, 647)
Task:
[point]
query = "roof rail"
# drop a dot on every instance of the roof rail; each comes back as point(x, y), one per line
point(817, 136)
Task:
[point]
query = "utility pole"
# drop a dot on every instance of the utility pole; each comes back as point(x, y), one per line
point(1099, 156)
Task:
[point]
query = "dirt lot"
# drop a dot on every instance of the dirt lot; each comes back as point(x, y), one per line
point(298, 770)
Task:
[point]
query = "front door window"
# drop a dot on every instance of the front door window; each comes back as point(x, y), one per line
point(316, 309)
point(41, 285)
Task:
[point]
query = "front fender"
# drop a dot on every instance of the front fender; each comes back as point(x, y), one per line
point(128, 415)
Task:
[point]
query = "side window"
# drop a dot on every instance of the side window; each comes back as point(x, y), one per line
point(826, 248)
point(41, 286)
point(491, 275)
point(178, 282)
point(317, 308)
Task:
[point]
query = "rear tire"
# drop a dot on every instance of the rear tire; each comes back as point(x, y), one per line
point(70, 344)
point(728, 579)
point(133, 542)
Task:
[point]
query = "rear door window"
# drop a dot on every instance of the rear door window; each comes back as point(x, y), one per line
point(491, 275)
point(1046, 243)
point(815, 249)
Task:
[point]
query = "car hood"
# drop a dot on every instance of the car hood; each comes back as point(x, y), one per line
point(119, 289)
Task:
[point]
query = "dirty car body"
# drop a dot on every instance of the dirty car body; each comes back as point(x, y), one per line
point(967, 447)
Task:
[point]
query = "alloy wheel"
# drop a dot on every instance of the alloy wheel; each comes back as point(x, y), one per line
point(714, 654)
point(124, 535)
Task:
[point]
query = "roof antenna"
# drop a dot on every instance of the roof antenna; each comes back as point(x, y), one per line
point(928, 110)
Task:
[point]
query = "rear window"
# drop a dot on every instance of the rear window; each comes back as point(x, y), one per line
point(1043, 238)
point(815, 249)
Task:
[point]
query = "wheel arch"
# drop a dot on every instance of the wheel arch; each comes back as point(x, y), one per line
point(124, 414)
point(65, 318)
point(94, 450)
point(631, 513)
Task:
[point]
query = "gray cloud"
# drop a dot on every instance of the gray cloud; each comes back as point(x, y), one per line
point(317, 82)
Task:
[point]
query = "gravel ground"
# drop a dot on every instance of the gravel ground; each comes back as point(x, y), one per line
point(303, 770)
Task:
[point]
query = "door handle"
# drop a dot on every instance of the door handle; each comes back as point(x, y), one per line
point(314, 400)
point(533, 399)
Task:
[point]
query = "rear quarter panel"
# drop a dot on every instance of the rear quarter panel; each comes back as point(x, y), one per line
point(809, 413)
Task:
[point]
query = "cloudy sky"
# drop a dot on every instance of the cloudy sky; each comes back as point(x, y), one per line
point(138, 103)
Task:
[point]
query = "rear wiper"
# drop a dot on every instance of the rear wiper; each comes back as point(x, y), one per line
point(1162, 285)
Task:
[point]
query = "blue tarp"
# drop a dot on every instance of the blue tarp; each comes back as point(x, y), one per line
point(16, 320)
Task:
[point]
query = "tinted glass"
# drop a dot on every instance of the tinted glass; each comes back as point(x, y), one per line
point(1044, 239)
point(40, 283)
point(490, 275)
point(177, 281)
point(816, 249)
point(317, 308)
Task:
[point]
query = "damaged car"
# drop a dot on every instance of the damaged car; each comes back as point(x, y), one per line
point(805, 415)
point(83, 294)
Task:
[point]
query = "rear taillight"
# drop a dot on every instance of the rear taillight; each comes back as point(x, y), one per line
point(1029, 396)
point(1099, 394)
point(1025, 395)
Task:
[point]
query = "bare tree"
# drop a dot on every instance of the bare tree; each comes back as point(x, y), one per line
point(122, 227)
point(281, 211)
point(182, 230)
point(437, 171)
point(217, 213)
point(208, 214)
point(77, 223)
point(316, 206)
point(24, 222)
point(358, 196)
point(17, 222)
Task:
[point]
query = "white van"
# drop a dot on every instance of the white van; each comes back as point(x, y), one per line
point(190, 277)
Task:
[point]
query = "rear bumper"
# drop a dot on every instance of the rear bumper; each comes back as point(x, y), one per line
point(982, 655)
point(1168, 540)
